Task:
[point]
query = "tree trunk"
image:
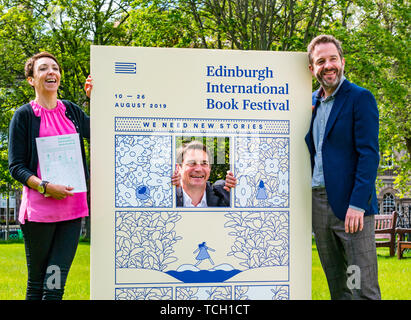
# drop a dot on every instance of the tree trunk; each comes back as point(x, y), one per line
point(7, 216)
point(408, 143)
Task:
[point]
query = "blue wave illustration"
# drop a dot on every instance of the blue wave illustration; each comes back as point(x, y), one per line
point(188, 273)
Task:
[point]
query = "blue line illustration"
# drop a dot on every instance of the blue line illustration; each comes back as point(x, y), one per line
point(261, 191)
point(143, 171)
point(147, 240)
point(262, 167)
point(261, 238)
point(204, 293)
point(152, 240)
point(203, 253)
point(165, 293)
point(262, 292)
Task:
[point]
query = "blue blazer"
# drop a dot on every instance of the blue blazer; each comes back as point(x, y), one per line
point(350, 150)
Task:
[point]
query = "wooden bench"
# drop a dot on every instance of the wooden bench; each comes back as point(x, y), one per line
point(402, 244)
point(385, 231)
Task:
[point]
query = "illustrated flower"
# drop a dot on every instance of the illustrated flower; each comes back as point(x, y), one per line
point(250, 156)
point(282, 151)
point(142, 159)
point(283, 182)
point(276, 201)
point(158, 196)
point(128, 194)
point(166, 167)
point(122, 149)
point(242, 165)
point(147, 152)
point(271, 166)
point(140, 174)
point(156, 163)
point(146, 142)
point(120, 201)
point(122, 170)
point(282, 148)
point(156, 180)
point(143, 171)
point(129, 182)
point(265, 147)
point(243, 143)
point(247, 167)
point(132, 155)
point(243, 191)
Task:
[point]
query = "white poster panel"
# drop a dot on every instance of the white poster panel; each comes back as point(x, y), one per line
point(61, 161)
point(252, 110)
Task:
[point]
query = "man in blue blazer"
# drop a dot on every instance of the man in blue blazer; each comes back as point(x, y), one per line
point(343, 144)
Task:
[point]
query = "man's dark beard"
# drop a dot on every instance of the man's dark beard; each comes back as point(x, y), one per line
point(334, 85)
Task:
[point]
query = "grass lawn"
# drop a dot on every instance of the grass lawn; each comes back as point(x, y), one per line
point(13, 273)
point(394, 275)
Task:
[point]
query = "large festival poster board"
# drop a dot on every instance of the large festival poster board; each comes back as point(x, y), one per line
point(146, 100)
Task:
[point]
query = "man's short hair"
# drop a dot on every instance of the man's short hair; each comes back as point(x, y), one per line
point(323, 38)
point(193, 145)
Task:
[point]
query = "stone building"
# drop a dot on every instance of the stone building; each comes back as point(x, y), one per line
point(387, 196)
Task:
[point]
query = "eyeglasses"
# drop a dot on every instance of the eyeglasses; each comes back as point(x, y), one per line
point(192, 163)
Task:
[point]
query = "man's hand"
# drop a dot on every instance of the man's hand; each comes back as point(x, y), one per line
point(354, 221)
point(176, 177)
point(230, 181)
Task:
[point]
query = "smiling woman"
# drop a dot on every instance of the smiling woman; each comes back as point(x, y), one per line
point(43, 73)
point(50, 213)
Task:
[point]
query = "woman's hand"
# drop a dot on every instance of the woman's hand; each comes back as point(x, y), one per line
point(88, 86)
point(58, 191)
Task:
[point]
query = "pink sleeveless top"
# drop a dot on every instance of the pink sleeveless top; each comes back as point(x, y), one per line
point(36, 207)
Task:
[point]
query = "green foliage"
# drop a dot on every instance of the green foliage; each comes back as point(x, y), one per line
point(157, 24)
point(377, 55)
point(375, 36)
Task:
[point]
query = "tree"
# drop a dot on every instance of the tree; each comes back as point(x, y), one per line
point(281, 25)
point(160, 23)
point(64, 28)
point(377, 51)
point(375, 37)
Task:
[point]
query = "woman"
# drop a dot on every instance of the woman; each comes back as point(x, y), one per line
point(203, 253)
point(50, 214)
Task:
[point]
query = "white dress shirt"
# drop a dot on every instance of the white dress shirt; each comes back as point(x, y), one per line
point(187, 201)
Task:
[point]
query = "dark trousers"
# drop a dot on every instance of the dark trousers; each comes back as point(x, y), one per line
point(349, 260)
point(50, 250)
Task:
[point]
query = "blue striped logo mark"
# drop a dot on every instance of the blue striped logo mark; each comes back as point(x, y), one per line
point(125, 67)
